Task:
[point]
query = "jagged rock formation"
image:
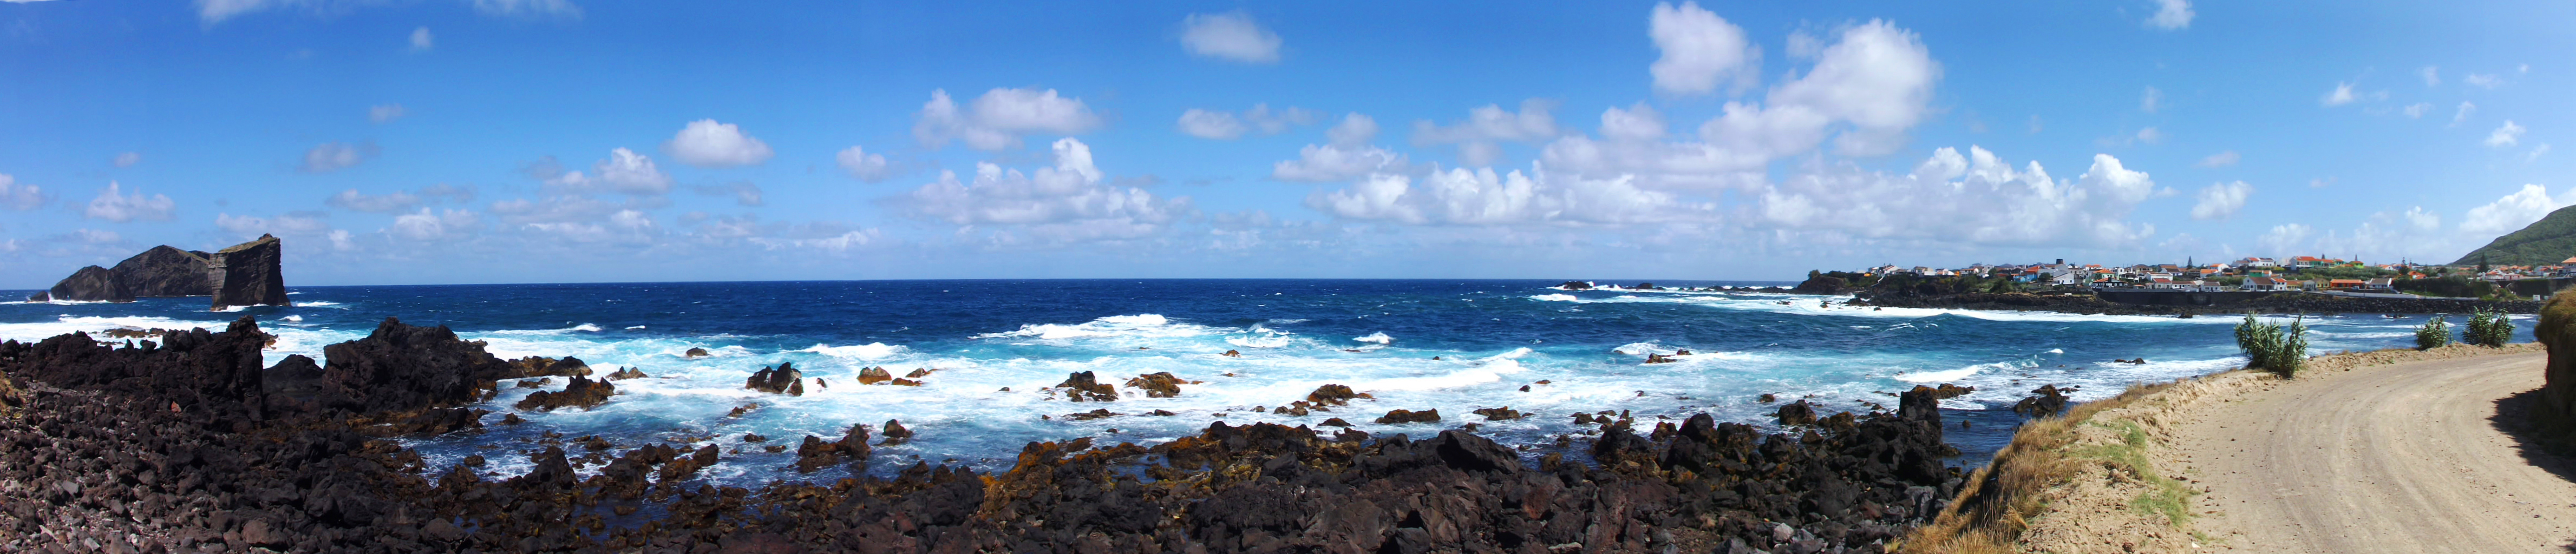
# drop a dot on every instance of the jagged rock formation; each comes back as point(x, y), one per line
point(784, 379)
point(246, 274)
point(400, 368)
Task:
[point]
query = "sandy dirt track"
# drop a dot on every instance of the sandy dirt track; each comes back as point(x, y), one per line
point(2397, 458)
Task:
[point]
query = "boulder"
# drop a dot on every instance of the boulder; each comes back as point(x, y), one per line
point(874, 375)
point(1158, 385)
point(1946, 391)
point(248, 274)
point(695, 352)
point(165, 271)
point(784, 379)
point(1082, 386)
point(90, 284)
point(1576, 285)
point(1408, 416)
point(1505, 413)
point(627, 373)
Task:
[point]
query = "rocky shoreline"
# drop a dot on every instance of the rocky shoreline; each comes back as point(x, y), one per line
point(185, 444)
point(2287, 303)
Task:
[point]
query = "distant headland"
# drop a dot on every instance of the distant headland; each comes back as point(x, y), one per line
point(246, 274)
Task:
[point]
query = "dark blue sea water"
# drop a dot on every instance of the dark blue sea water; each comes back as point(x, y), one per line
point(1449, 345)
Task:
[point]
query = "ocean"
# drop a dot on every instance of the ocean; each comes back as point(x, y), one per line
point(993, 345)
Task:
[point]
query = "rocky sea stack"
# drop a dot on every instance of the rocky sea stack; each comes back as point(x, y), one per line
point(247, 274)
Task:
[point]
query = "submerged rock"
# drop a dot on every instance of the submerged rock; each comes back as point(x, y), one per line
point(627, 373)
point(895, 433)
point(1505, 413)
point(695, 352)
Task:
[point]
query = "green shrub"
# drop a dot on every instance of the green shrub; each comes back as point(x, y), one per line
point(2271, 348)
point(2435, 333)
point(2489, 328)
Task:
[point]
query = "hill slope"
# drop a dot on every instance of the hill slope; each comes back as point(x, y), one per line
point(2544, 242)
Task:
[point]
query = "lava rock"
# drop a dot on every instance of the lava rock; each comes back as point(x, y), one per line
point(1158, 385)
point(1796, 413)
point(895, 433)
point(1337, 395)
point(1505, 413)
point(399, 368)
point(165, 271)
point(1408, 416)
point(89, 284)
point(2045, 401)
point(581, 392)
point(874, 375)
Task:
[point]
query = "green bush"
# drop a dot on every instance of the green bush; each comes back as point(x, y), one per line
point(2435, 333)
point(2270, 348)
point(2489, 328)
point(2455, 286)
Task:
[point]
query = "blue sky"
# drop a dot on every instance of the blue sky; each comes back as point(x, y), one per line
point(475, 141)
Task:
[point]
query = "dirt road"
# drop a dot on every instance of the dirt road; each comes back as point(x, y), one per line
point(2395, 458)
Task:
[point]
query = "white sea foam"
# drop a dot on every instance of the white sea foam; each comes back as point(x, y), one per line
point(2056, 351)
point(634, 327)
point(317, 304)
point(231, 308)
point(1556, 298)
point(868, 352)
point(1140, 326)
point(588, 328)
point(293, 318)
point(1377, 337)
point(1937, 376)
point(1266, 341)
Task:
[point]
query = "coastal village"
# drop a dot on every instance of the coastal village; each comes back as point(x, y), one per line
point(2301, 273)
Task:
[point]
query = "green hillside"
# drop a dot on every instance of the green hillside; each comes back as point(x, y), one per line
point(2545, 242)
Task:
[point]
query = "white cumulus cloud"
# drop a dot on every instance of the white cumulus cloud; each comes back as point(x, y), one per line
point(864, 166)
point(21, 196)
point(1485, 125)
point(385, 113)
point(2507, 135)
point(1229, 36)
point(1977, 198)
point(1218, 125)
point(128, 159)
point(1064, 203)
point(289, 224)
point(2514, 211)
point(428, 225)
point(421, 40)
point(334, 156)
point(706, 143)
point(114, 206)
point(996, 120)
point(624, 171)
point(529, 9)
point(2171, 15)
point(1460, 196)
point(2221, 159)
point(2342, 94)
point(2221, 200)
point(1700, 50)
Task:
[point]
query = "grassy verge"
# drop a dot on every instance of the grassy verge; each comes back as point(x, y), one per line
point(2003, 498)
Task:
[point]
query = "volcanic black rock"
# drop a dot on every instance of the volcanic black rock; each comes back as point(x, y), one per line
point(581, 392)
point(401, 368)
point(1158, 385)
point(166, 271)
point(89, 284)
point(784, 379)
